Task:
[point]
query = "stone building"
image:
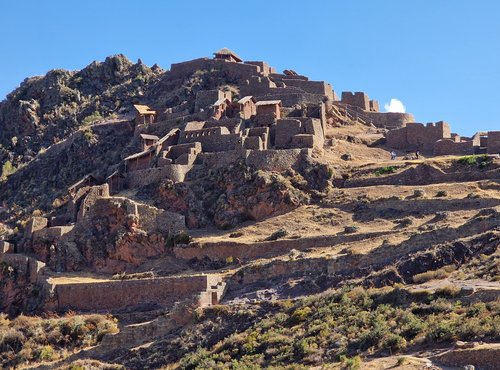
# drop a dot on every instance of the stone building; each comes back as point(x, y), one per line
point(227, 55)
point(140, 161)
point(246, 107)
point(417, 136)
point(493, 143)
point(116, 182)
point(221, 108)
point(144, 114)
point(206, 98)
point(299, 133)
point(148, 141)
point(269, 107)
point(88, 180)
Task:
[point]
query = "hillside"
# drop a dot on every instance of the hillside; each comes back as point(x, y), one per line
point(220, 214)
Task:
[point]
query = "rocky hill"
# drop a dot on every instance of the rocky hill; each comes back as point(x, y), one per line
point(222, 215)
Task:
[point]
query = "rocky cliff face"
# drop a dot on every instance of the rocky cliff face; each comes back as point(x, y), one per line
point(230, 196)
point(45, 110)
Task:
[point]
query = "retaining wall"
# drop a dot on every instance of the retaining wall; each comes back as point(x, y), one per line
point(116, 295)
point(245, 251)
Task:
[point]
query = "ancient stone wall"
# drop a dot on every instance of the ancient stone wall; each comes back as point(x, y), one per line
point(35, 224)
point(219, 251)
point(256, 85)
point(51, 233)
point(147, 218)
point(313, 87)
point(140, 163)
point(232, 124)
point(451, 147)
point(175, 151)
point(309, 129)
point(276, 160)
point(280, 77)
point(232, 72)
point(222, 159)
point(374, 106)
point(264, 68)
point(390, 120)
point(291, 96)
point(253, 143)
point(117, 295)
point(206, 98)
point(174, 172)
point(417, 136)
point(217, 139)
point(93, 193)
point(285, 130)
point(357, 99)
point(6, 247)
point(493, 142)
point(27, 266)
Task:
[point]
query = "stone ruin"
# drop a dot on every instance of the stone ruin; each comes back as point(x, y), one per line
point(267, 119)
point(437, 139)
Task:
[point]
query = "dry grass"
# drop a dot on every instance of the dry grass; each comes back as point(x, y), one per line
point(34, 339)
point(439, 274)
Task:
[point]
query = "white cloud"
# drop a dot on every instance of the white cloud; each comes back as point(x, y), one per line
point(395, 106)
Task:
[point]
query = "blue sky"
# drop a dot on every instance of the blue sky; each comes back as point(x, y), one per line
point(441, 58)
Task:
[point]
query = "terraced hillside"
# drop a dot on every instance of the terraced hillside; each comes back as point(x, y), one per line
point(333, 256)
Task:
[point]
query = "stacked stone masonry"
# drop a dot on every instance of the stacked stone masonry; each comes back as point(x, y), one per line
point(118, 295)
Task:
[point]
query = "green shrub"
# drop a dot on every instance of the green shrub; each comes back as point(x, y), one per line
point(385, 170)
point(93, 118)
point(471, 160)
point(395, 343)
point(352, 363)
point(46, 353)
point(7, 169)
point(441, 331)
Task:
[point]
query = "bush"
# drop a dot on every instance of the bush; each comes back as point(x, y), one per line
point(46, 353)
point(441, 332)
point(281, 233)
point(418, 193)
point(470, 160)
point(385, 170)
point(7, 169)
point(352, 363)
point(441, 273)
point(351, 229)
point(93, 118)
point(442, 193)
point(448, 291)
point(395, 343)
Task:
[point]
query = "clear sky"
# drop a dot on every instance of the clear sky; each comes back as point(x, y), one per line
point(441, 58)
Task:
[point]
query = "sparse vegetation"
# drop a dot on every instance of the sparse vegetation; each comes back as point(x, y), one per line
point(385, 170)
point(7, 169)
point(278, 234)
point(441, 273)
point(91, 119)
point(351, 229)
point(137, 275)
point(340, 327)
point(471, 160)
point(418, 193)
point(33, 339)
